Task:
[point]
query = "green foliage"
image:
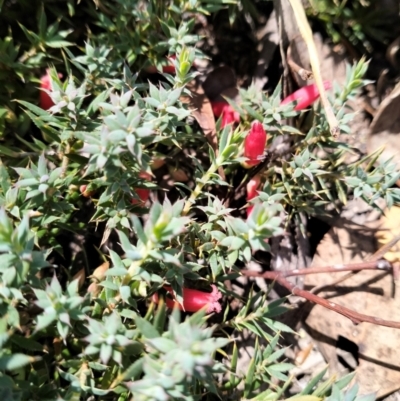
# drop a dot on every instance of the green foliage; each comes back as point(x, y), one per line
point(69, 331)
point(361, 23)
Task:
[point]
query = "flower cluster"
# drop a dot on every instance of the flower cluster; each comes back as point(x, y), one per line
point(84, 241)
point(256, 139)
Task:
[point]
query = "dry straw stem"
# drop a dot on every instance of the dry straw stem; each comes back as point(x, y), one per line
point(307, 35)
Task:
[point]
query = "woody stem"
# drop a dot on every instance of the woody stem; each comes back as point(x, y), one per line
point(354, 316)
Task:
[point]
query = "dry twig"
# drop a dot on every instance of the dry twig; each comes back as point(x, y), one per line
point(354, 316)
point(304, 74)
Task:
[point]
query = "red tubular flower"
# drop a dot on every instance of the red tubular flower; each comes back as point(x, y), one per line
point(194, 300)
point(229, 115)
point(254, 144)
point(45, 101)
point(252, 187)
point(142, 193)
point(305, 96)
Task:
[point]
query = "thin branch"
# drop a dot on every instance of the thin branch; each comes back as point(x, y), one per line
point(304, 74)
point(380, 253)
point(381, 264)
point(354, 316)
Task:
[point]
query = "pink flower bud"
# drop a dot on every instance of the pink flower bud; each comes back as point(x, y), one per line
point(254, 144)
point(194, 300)
point(142, 193)
point(305, 96)
point(45, 101)
point(224, 109)
point(252, 192)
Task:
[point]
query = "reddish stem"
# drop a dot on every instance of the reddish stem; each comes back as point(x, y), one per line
point(354, 316)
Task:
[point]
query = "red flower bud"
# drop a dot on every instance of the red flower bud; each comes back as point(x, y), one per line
point(169, 69)
point(156, 163)
point(45, 101)
point(85, 193)
point(194, 300)
point(254, 144)
point(305, 96)
point(229, 115)
point(142, 193)
point(252, 192)
point(178, 174)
